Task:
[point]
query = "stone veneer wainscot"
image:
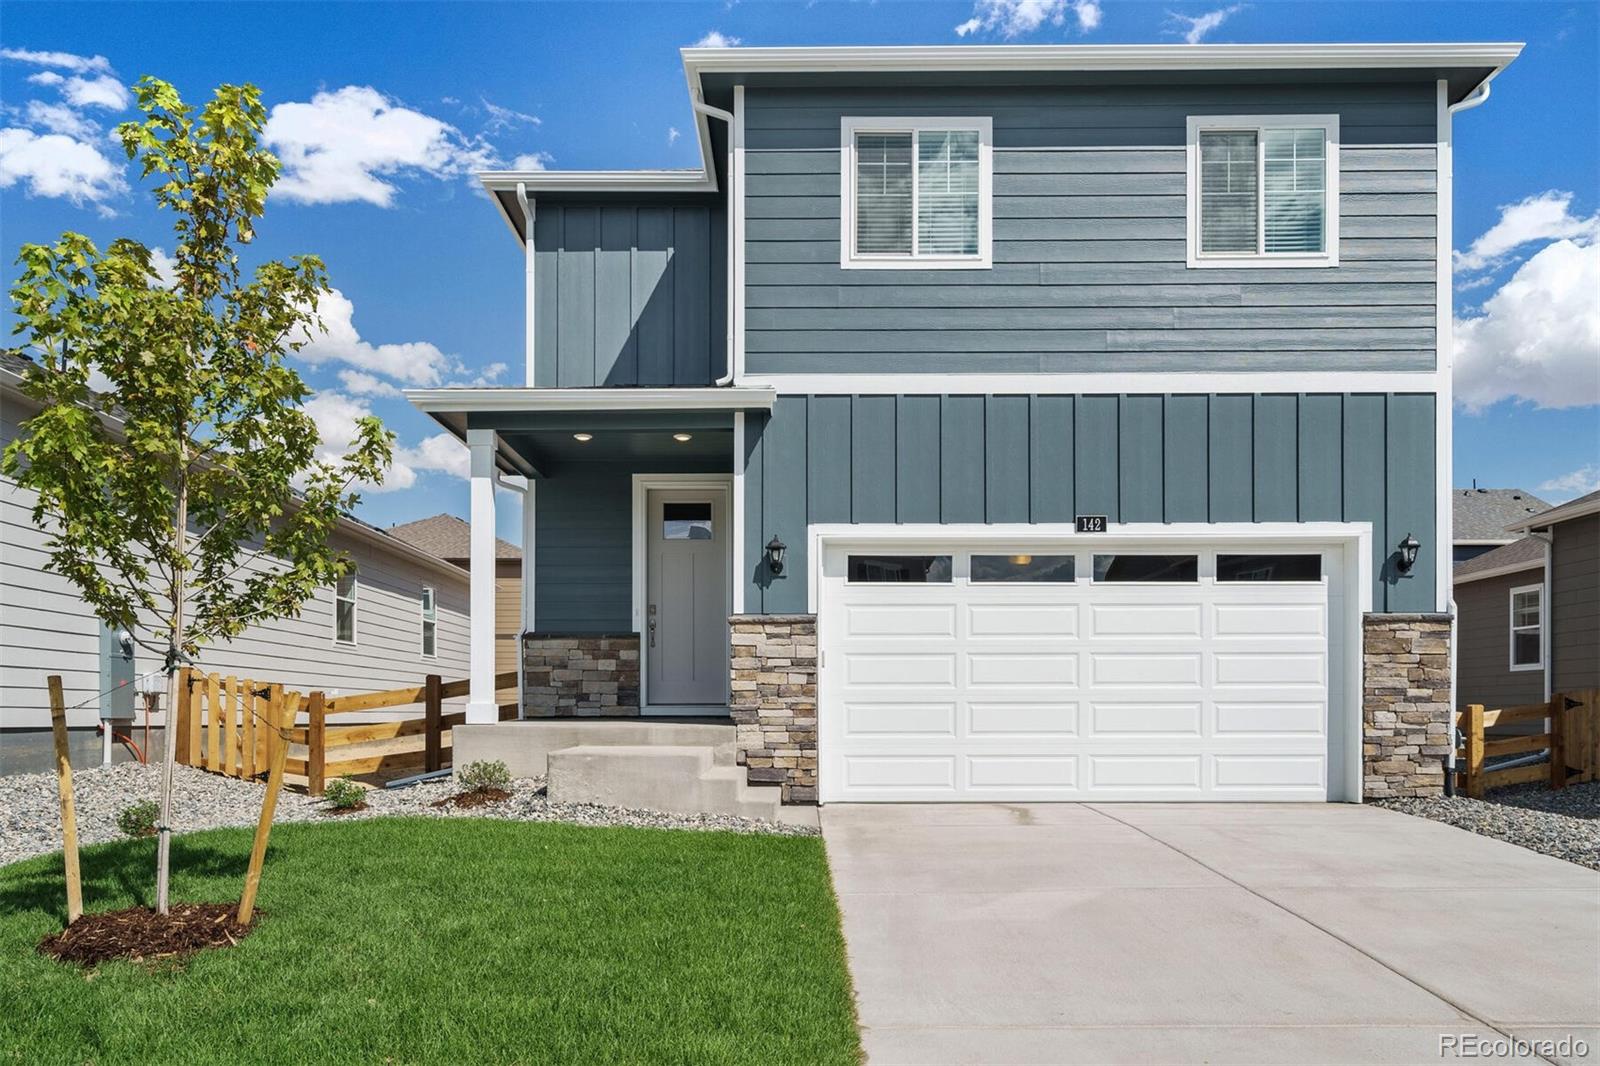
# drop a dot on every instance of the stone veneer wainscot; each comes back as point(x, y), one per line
point(1406, 704)
point(773, 699)
point(580, 675)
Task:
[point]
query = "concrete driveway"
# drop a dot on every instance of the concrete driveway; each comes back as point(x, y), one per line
point(1174, 933)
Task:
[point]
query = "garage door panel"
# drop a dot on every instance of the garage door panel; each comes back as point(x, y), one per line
point(1270, 620)
point(901, 670)
point(1144, 719)
point(1008, 772)
point(1176, 772)
point(1144, 669)
point(1271, 718)
point(901, 621)
point(1003, 670)
point(1024, 620)
point(892, 719)
point(901, 772)
point(1144, 621)
point(1275, 669)
point(1015, 718)
point(1269, 772)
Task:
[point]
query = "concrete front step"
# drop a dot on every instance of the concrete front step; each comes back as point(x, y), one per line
point(525, 745)
point(678, 778)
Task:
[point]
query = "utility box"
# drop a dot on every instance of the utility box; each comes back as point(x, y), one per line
point(117, 688)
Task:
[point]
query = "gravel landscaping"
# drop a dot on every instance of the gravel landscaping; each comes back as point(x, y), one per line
point(30, 818)
point(1563, 823)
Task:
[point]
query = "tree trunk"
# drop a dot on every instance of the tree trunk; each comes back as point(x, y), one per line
point(169, 756)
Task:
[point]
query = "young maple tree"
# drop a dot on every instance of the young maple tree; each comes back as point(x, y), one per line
point(192, 457)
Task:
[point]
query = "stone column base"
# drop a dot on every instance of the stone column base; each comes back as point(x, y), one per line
point(1406, 704)
point(773, 700)
point(580, 675)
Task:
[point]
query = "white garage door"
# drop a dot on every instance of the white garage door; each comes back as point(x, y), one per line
point(1038, 674)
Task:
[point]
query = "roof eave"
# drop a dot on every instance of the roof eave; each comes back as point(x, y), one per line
point(1580, 508)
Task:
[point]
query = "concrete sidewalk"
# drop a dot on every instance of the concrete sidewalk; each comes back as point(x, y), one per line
point(1176, 933)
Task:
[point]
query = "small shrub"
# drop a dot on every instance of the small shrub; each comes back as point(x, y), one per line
point(139, 820)
point(485, 776)
point(344, 794)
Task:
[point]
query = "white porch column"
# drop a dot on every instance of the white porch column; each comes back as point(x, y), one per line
point(481, 706)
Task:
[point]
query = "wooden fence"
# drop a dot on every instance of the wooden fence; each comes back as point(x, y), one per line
point(1571, 734)
point(220, 728)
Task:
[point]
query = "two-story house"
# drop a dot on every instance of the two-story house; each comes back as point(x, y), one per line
point(1000, 423)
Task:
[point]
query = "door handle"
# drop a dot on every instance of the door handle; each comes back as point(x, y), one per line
point(652, 625)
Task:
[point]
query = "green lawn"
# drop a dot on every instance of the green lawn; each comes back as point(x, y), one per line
point(450, 941)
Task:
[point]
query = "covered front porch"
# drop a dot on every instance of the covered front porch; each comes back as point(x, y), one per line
point(632, 540)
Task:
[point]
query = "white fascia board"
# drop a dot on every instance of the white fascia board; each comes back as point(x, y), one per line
point(1500, 571)
point(1090, 57)
point(455, 401)
point(1468, 542)
point(1074, 383)
point(1565, 513)
point(600, 180)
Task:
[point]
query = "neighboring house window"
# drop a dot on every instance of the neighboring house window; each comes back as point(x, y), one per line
point(1263, 191)
point(430, 623)
point(1527, 627)
point(916, 193)
point(344, 609)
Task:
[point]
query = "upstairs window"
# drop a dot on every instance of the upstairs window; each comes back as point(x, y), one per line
point(1263, 191)
point(344, 609)
point(915, 193)
point(430, 623)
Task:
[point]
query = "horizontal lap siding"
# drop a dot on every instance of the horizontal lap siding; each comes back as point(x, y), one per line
point(1483, 654)
point(629, 294)
point(584, 557)
point(1134, 458)
point(1089, 255)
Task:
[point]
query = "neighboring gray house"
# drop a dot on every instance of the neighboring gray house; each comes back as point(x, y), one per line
point(1056, 422)
point(1482, 515)
point(1530, 611)
point(402, 616)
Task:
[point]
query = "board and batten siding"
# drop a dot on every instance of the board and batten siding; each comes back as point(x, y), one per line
point(1089, 266)
point(1575, 604)
point(629, 294)
point(1364, 457)
point(46, 628)
point(1483, 654)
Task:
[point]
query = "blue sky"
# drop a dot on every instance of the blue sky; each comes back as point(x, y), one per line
point(383, 110)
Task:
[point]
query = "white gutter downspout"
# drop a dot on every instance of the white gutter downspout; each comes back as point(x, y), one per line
point(528, 254)
point(729, 222)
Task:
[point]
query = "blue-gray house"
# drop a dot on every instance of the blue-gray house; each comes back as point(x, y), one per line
point(998, 423)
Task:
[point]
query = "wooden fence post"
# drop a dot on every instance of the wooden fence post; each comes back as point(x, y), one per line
point(69, 815)
point(316, 744)
point(195, 696)
point(280, 719)
point(433, 712)
point(178, 719)
point(1558, 740)
point(1474, 739)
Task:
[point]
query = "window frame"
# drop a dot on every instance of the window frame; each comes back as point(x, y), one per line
point(1259, 124)
point(428, 609)
point(1513, 629)
point(849, 127)
point(355, 609)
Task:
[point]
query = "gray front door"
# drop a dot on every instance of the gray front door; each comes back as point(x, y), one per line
point(686, 604)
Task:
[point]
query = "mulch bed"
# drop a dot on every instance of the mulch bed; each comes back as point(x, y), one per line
point(346, 810)
point(141, 935)
point(480, 797)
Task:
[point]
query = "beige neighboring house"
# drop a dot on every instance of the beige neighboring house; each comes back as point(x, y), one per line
point(401, 616)
point(448, 538)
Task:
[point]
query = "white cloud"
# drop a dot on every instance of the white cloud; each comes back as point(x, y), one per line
point(342, 145)
point(1538, 338)
point(718, 39)
point(1579, 482)
point(166, 267)
point(489, 375)
point(412, 363)
point(335, 415)
point(59, 118)
point(103, 91)
point(503, 118)
point(64, 60)
point(1195, 28)
point(532, 161)
point(1018, 18)
point(672, 135)
point(441, 452)
point(361, 383)
point(1545, 217)
point(56, 165)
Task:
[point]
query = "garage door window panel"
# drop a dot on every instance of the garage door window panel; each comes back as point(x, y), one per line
point(1023, 568)
point(1280, 568)
point(1146, 569)
point(899, 570)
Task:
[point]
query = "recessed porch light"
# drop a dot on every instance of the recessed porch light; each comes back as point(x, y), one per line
point(583, 438)
point(682, 438)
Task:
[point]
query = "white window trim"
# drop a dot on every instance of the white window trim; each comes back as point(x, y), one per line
point(355, 611)
point(1329, 256)
point(849, 126)
point(1513, 629)
point(428, 592)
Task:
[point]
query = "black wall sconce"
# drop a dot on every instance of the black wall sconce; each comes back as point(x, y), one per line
point(1408, 554)
point(775, 550)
